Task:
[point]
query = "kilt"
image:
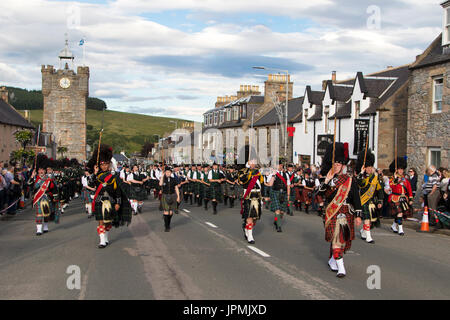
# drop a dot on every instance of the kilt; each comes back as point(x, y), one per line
point(401, 206)
point(124, 215)
point(87, 196)
point(196, 188)
point(278, 201)
point(169, 202)
point(109, 215)
point(299, 194)
point(206, 192)
point(138, 192)
point(266, 191)
point(231, 190)
point(307, 195)
point(41, 215)
point(329, 230)
point(216, 192)
point(249, 210)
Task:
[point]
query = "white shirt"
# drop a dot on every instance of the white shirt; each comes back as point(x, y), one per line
point(281, 173)
point(84, 181)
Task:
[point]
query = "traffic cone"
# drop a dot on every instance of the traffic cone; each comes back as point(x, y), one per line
point(425, 225)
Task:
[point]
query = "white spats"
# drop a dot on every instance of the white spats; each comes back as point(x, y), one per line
point(45, 227)
point(102, 239)
point(341, 268)
point(250, 236)
point(394, 227)
point(39, 229)
point(400, 230)
point(333, 265)
point(363, 234)
point(369, 237)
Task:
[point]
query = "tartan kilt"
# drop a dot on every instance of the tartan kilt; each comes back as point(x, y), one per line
point(318, 199)
point(188, 187)
point(253, 213)
point(87, 196)
point(138, 193)
point(277, 203)
point(216, 192)
point(196, 188)
point(329, 230)
point(396, 208)
point(169, 202)
point(231, 190)
point(266, 191)
point(306, 197)
point(108, 216)
point(152, 184)
point(206, 192)
point(124, 215)
point(299, 194)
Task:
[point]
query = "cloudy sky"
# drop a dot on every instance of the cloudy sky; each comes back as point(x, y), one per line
point(174, 57)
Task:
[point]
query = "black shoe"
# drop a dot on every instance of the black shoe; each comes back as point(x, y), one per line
point(251, 242)
point(45, 231)
point(39, 233)
point(140, 209)
point(167, 229)
point(101, 246)
point(279, 229)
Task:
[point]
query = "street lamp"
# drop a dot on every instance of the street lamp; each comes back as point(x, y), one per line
point(286, 108)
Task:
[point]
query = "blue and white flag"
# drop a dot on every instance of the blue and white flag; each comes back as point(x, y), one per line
point(81, 42)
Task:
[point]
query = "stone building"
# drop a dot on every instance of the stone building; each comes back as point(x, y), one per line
point(10, 122)
point(65, 97)
point(428, 140)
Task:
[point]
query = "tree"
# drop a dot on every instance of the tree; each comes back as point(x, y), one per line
point(23, 137)
point(62, 151)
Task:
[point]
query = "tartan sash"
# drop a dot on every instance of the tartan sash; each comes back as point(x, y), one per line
point(369, 193)
point(338, 200)
point(41, 191)
point(99, 188)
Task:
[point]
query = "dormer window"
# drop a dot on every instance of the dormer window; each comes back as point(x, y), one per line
point(446, 25)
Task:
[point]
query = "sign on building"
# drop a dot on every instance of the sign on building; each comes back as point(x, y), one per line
point(361, 131)
point(323, 140)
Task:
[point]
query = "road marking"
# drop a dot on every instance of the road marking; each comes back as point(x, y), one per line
point(211, 225)
point(262, 253)
point(185, 210)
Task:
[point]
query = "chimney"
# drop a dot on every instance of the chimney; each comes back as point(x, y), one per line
point(333, 76)
point(389, 67)
point(4, 94)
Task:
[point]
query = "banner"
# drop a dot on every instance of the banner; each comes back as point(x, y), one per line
point(361, 131)
point(323, 140)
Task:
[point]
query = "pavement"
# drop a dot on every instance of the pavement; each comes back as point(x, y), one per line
point(205, 256)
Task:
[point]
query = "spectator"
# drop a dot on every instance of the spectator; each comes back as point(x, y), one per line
point(2, 190)
point(431, 188)
point(14, 189)
point(412, 175)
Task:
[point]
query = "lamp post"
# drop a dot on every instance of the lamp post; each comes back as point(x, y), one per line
point(286, 107)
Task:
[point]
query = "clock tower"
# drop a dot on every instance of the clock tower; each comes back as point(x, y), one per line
point(65, 96)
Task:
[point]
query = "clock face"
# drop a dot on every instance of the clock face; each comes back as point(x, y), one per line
point(64, 83)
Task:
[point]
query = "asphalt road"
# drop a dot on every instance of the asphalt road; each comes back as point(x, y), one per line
point(205, 256)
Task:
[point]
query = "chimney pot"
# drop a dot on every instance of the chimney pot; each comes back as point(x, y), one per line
point(333, 76)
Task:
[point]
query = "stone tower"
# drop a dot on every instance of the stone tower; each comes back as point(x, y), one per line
point(65, 96)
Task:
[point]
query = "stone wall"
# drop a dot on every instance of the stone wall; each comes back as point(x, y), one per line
point(394, 116)
point(8, 142)
point(427, 129)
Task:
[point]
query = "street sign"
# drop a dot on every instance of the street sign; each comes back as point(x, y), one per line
point(361, 131)
point(323, 140)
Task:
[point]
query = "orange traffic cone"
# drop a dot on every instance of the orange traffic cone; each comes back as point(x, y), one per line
point(425, 225)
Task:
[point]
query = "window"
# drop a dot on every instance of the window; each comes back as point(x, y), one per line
point(325, 118)
point(357, 109)
point(438, 85)
point(215, 117)
point(210, 119)
point(205, 119)
point(434, 157)
point(236, 113)
point(306, 120)
point(221, 116)
point(244, 111)
point(446, 36)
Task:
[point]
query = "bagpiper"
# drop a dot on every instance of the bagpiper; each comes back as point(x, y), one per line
point(110, 204)
point(215, 178)
point(279, 194)
point(231, 190)
point(88, 192)
point(309, 186)
point(401, 198)
point(44, 188)
point(251, 203)
point(138, 192)
point(371, 192)
point(291, 200)
point(342, 195)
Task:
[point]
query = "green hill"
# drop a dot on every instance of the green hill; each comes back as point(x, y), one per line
point(123, 131)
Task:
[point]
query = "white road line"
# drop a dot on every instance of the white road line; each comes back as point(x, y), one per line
point(185, 210)
point(211, 225)
point(262, 253)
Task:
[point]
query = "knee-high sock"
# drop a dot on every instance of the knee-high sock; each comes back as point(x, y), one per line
point(166, 221)
point(277, 219)
point(101, 232)
point(249, 233)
